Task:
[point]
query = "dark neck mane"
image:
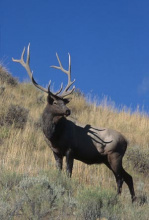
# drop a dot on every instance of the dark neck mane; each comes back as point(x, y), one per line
point(52, 125)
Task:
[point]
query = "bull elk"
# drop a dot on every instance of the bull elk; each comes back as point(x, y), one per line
point(84, 143)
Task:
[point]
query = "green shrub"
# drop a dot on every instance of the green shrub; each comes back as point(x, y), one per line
point(9, 180)
point(4, 210)
point(95, 203)
point(50, 195)
point(31, 197)
point(8, 183)
point(38, 197)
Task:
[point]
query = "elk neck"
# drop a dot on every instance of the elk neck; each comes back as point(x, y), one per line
point(52, 124)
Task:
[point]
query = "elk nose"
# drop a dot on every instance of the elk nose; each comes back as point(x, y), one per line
point(68, 112)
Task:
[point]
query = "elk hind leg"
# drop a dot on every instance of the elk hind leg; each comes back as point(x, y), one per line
point(129, 181)
point(121, 175)
point(115, 164)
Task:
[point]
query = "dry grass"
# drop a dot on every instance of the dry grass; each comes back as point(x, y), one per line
point(25, 151)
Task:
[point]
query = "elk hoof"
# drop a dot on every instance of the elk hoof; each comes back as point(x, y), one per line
point(134, 199)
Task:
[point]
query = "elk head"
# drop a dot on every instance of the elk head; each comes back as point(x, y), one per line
point(57, 101)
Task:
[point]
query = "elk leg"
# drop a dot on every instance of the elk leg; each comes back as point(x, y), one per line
point(118, 177)
point(129, 181)
point(119, 182)
point(59, 160)
point(69, 162)
point(114, 163)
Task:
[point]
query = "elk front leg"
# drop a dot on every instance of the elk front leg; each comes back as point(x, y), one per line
point(59, 160)
point(69, 162)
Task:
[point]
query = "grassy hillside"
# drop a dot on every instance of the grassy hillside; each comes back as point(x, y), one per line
point(30, 186)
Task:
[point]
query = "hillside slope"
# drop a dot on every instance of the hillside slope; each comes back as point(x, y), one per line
point(24, 152)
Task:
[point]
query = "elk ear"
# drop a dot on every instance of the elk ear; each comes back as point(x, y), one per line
point(50, 99)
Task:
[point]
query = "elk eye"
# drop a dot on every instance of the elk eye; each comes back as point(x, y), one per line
point(55, 102)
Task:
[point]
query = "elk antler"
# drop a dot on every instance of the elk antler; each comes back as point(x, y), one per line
point(66, 91)
point(30, 73)
point(27, 67)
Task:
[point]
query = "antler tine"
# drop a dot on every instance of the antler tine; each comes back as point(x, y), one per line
point(59, 91)
point(22, 58)
point(68, 72)
point(27, 68)
point(28, 54)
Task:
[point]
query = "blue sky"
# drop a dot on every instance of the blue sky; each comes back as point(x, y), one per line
point(108, 41)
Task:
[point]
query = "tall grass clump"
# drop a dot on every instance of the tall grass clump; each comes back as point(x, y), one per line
point(7, 78)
